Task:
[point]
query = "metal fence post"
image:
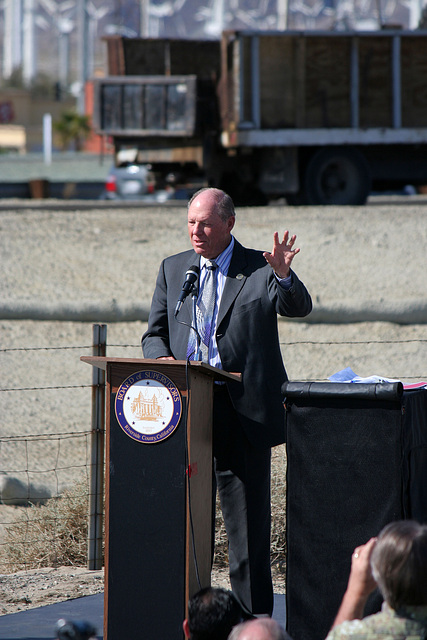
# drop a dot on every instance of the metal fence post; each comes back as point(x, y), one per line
point(96, 492)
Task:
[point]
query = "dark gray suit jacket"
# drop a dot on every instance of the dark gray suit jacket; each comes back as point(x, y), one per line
point(247, 333)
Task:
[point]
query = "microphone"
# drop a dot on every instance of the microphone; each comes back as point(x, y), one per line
point(190, 278)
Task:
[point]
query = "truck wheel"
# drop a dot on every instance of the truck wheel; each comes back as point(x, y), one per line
point(337, 176)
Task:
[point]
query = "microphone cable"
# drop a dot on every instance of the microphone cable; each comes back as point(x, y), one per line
point(187, 456)
point(188, 472)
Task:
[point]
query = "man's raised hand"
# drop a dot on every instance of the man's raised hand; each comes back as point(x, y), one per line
point(280, 259)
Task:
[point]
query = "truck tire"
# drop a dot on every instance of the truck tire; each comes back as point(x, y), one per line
point(337, 176)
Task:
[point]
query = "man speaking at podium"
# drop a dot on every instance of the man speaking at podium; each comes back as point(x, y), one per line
point(241, 291)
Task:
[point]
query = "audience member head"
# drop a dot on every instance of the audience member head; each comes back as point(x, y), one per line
point(259, 629)
point(212, 613)
point(399, 564)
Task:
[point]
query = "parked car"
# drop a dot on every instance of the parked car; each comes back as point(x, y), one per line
point(129, 181)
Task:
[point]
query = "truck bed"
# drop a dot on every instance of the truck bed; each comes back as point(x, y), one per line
point(311, 81)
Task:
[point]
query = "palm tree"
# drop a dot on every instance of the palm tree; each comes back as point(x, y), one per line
point(72, 127)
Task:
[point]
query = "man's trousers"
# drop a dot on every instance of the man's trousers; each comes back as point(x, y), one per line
point(243, 482)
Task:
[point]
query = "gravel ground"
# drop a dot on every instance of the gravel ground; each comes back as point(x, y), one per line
point(360, 263)
point(40, 587)
point(62, 270)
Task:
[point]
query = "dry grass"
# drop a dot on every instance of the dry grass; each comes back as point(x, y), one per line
point(55, 534)
point(51, 535)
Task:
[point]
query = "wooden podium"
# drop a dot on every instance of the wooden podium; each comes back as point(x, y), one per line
point(158, 511)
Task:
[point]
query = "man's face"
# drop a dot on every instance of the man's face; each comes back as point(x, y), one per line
point(209, 234)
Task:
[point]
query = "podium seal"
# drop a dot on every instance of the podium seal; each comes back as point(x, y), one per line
point(148, 406)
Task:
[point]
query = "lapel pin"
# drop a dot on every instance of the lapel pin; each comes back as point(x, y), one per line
point(239, 276)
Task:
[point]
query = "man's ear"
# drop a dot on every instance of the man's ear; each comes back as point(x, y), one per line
point(186, 628)
point(230, 222)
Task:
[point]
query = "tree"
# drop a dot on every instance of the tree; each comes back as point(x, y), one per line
point(72, 127)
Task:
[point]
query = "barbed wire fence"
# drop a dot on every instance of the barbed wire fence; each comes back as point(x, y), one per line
point(37, 467)
point(39, 460)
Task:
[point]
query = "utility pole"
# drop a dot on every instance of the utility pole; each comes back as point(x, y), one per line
point(82, 51)
point(65, 27)
point(144, 22)
point(282, 15)
point(12, 43)
point(28, 43)
point(380, 15)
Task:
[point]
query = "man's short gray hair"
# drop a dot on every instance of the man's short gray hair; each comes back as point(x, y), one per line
point(267, 628)
point(225, 205)
point(399, 564)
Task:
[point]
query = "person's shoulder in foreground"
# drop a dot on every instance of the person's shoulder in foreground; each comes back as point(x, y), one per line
point(396, 563)
point(410, 622)
point(259, 629)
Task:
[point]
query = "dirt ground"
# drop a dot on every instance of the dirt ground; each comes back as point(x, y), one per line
point(40, 587)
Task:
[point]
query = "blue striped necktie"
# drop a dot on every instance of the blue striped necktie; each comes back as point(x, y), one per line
point(205, 313)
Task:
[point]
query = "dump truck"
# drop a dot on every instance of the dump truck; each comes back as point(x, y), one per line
point(314, 117)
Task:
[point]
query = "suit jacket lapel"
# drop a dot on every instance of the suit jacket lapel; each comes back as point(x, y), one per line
point(235, 280)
